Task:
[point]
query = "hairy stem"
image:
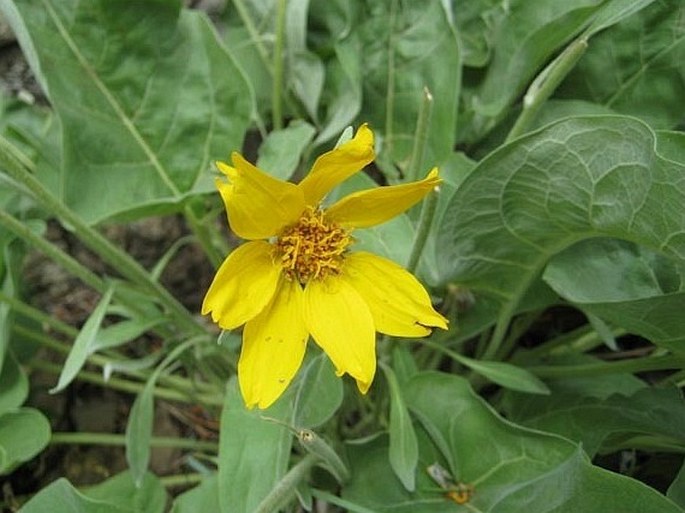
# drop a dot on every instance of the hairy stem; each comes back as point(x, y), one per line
point(428, 208)
point(420, 135)
point(277, 92)
point(545, 84)
point(124, 385)
point(284, 491)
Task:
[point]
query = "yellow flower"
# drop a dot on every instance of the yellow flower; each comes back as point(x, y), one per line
point(297, 277)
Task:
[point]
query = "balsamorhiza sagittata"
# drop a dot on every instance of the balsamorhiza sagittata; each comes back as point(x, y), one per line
point(297, 276)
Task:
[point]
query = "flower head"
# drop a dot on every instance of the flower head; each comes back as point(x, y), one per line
point(297, 276)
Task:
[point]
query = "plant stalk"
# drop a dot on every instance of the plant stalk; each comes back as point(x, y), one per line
point(53, 252)
point(648, 363)
point(284, 491)
point(85, 438)
point(277, 93)
point(127, 386)
point(428, 209)
point(175, 382)
point(204, 236)
point(545, 84)
point(420, 135)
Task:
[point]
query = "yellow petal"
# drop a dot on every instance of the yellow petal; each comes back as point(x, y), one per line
point(399, 304)
point(340, 322)
point(273, 347)
point(337, 165)
point(258, 205)
point(243, 285)
point(375, 206)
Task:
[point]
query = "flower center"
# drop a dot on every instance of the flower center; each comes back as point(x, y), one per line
point(313, 248)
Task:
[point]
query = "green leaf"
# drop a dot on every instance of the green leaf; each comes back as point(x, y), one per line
point(636, 66)
point(306, 72)
point(204, 497)
point(327, 456)
point(507, 375)
point(14, 385)
point(452, 171)
point(148, 497)
point(590, 420)
point(139, 431)
point(528, 36)
point(403, 451)
point(116, 495)
point(409, 46)
point(9, 276)
point(281, 151)
point(342, 88)
point(598, 386)
point(613, 12)
point(556, 110)
point(603, 330)
point(253, 451)
point(252, 52)
point(512, 469)
point(23, 434)
point(61, 497)
point(624, 284)
point(131, 364)
point(304, 496)
point(141, 416)
point(671, 145)
point(319, 394)
point(156, 106)
point(676, 492)
point(122, 332)
point(83, 345)
point(403, 363)
point(577, 179)
point(32, 129)
point(477, 23)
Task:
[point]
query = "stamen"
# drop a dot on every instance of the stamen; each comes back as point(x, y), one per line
point(313, 248)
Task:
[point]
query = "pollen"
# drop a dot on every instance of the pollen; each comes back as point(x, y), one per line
point(312, 248)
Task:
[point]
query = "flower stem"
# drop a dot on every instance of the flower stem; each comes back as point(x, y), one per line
point(112, 255)
point(127, 386)
point(284, 491)
point(256, 38)
point(85, 438)
point(425, 222)
point(204, 236)
point(545, 84)
point(277, 93)
point(69, 263)
point(420, 136)
point(390, 91)
point(176, 382)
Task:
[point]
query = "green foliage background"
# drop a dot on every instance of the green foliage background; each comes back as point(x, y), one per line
point(557, 128)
